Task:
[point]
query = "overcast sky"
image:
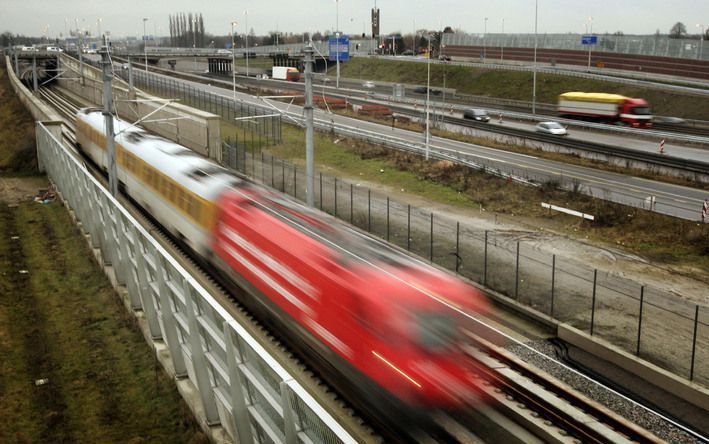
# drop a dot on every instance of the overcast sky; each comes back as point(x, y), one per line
point(125, 17)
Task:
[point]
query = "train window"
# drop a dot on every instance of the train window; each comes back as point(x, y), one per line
point(436, 331)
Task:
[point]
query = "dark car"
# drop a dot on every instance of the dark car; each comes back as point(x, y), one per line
point(424, 90)
point(476, 114)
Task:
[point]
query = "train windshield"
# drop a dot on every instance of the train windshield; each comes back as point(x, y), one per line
point(435, 331)
point(642, 110)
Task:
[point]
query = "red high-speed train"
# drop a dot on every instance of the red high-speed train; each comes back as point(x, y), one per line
point(385, 321)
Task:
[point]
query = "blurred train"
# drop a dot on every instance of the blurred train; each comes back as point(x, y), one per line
point(383, 320)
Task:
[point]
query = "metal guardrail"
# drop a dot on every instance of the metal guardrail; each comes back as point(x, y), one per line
point(240, 386)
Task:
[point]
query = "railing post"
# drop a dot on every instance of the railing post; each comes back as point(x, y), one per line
point(289, 429)
point(240, 415)
point(351, 203)
point(199, 364)
point(321, 198)
point(593, 301)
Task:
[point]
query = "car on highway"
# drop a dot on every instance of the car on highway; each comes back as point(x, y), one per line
point(552, 128)
point(54, 49)
point(476, 114)
point(424, 90)
point(369, 84)
point(29, 48)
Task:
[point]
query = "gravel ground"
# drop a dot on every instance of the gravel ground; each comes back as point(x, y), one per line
point(538, 353)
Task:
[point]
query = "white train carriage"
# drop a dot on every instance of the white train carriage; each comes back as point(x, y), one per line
point(175, 185)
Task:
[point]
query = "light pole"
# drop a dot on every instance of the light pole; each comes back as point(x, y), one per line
point(701, 41)
point(485, 40)
point(534, 69)
point(502, 45)
point(145, 45)
point(194, 42)
point(337, 42)
point(246, 40)
point(233, 61)
point(428, 96)
point(590, 33)
point(98, 26)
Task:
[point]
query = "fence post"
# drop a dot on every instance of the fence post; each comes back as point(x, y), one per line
point(335, 196)
point(593, 301)
point(457, 247)
point(369, 210)
point(408, 227)
point(517, 274)
point(283, 173)
point(295, 181)
point(320, 191)
point(640, 318)
point(273, 181)
point(351, 203)
point(387, 218)
point(485, 261)
point(263, 168)
point(553, 281)
point(694, 342)
point(431, 247)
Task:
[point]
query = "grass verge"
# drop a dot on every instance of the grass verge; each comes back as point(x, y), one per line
point(74, 366)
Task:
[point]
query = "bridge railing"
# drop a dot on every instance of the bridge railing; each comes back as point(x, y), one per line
point(240, 385)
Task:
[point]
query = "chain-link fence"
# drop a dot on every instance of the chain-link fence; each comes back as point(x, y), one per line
point(650, 323)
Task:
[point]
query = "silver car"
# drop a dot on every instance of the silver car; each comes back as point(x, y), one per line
point(553, 128)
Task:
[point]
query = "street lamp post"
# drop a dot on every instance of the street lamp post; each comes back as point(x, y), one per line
point(502, 46)
point(246, 40)
point(701, 41)
point(337, 42)
point(145, 45)
point(428, 96)
point(590, 33)
point(194, 42)
point(534, 69)
point(98, 26)
point(233, 62)
point(485, 40)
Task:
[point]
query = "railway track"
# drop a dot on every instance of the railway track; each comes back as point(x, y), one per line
point(541, 408)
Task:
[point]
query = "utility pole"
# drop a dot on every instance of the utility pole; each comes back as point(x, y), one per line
point(108, 117)
point(310, 185)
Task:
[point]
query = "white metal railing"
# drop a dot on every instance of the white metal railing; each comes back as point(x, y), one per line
point(240, 385)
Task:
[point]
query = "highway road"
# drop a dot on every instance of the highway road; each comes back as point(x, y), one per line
point(679, 201)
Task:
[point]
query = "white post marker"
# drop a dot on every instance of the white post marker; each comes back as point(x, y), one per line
point(705, 211)
point(662, 146)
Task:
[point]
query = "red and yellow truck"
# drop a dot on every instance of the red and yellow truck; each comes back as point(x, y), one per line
point(605, 108)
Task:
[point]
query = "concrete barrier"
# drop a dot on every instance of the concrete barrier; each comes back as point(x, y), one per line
point(656, 376)
point(195, 129)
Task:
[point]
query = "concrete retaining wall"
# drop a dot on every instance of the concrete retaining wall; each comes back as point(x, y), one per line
point(656, 376)
point(195, 129)
point(40, 112)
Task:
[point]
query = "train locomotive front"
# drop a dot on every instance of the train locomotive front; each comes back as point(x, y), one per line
point(359, 302)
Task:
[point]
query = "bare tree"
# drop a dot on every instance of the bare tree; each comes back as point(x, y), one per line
point(678, 30)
